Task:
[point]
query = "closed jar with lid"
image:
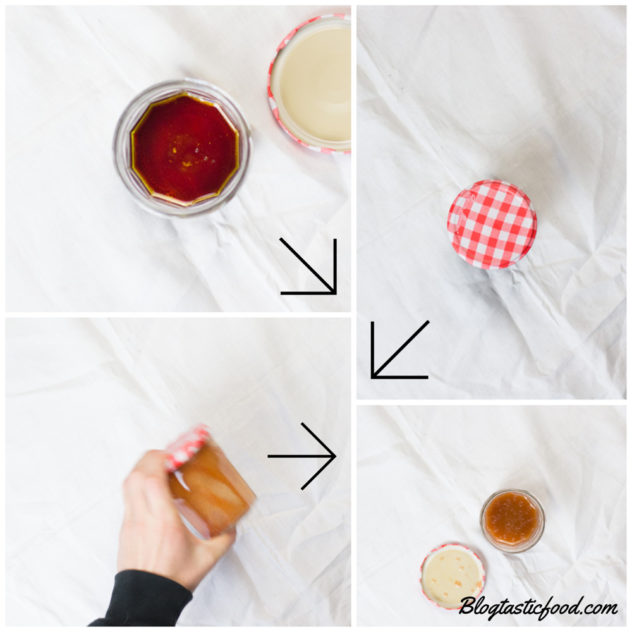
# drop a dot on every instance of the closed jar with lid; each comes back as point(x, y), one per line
point(209, 492)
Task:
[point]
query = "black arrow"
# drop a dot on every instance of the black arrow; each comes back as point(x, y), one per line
point(375, 373)
point(331, 290)
point(330, 456)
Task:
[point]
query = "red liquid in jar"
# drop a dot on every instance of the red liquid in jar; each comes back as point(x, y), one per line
point(184, 149)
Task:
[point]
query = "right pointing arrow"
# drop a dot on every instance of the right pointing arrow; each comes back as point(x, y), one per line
point(375, 373)
point(330, 456)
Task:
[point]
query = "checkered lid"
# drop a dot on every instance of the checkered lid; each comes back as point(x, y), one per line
point(465, 549)
point(185, 446)
point(492, 224)
point(272, 99)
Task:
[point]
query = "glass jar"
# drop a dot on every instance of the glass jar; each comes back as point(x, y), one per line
point(209, 492)
point(135, 115)
point(512, 520)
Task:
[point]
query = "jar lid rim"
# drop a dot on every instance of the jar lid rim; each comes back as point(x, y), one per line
point(186, 446)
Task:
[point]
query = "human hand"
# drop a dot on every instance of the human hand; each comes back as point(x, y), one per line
point(153, 537)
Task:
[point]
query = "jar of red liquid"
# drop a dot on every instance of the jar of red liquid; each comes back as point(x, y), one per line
point(182, 148)
point(208, 490)
point(512, 520)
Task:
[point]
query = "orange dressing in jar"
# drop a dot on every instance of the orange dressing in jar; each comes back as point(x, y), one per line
point(512, 520)
point(209, 491)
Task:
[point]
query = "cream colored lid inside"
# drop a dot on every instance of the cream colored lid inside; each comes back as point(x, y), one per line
point(450, 574)
point(311, 82)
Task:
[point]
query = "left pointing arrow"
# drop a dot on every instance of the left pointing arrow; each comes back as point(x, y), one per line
point(330, 456)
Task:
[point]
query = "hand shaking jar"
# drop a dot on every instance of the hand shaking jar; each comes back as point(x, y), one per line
point(209, 492)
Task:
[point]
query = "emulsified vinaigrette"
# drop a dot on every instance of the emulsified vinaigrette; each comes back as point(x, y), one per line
point(512, 520)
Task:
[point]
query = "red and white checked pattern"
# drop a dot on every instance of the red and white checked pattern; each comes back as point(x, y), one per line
point(185, 446)
point(492, 224)
point(272, 101)
point(462, 547)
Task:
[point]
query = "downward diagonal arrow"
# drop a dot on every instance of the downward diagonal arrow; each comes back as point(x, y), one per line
point(332, 288)
point(330, 456)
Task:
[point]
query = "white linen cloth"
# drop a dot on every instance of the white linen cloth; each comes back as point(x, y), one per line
point(76, 241)
point(534, 96)
point(424, 474)
point(86, 398)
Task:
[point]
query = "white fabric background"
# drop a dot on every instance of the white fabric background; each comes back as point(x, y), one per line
point(75, 239)
point(532, 95)
point(87, 398)
point(425, 472)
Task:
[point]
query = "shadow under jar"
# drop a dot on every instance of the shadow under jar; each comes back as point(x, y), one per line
point(512, 520)
point(182, 148)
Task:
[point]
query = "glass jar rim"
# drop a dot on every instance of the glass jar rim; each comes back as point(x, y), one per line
point(135, 110)
point(521, 547)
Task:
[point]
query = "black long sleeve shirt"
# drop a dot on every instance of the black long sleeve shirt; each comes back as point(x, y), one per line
point(144, 599)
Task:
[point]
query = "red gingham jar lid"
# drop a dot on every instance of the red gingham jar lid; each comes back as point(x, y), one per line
point(464, 549)
point(186, 446)
point(492, 224)
point(275, 103)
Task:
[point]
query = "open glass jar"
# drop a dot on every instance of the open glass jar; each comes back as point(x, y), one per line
point(208, 490)
point(182, 148)
point(512, 520)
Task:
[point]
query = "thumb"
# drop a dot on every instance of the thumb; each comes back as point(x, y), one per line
point(206, 554)
point(217, 546)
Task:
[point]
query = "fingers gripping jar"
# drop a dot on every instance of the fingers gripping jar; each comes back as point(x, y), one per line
point(208, 490)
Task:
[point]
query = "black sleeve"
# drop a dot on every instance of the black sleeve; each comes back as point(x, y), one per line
point(141, 598)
